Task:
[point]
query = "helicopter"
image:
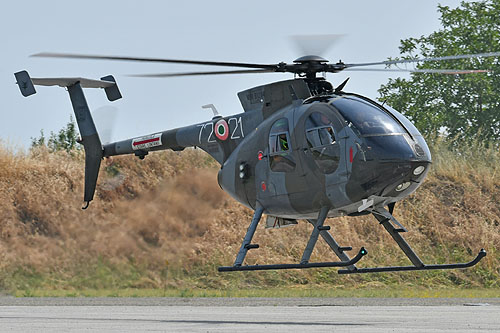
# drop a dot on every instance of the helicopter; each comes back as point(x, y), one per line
point(301, 149)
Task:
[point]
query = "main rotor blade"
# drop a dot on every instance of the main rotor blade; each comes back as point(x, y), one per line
point(243, 71)
point(460, 56)
point(175, 61)
point(438, 71)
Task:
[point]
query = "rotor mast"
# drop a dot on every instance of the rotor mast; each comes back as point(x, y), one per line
point(310, 65)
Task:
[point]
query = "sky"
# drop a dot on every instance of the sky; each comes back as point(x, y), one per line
point(236, 31)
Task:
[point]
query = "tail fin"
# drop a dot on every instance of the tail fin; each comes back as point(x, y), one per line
point(90, 140)
point(88, 132)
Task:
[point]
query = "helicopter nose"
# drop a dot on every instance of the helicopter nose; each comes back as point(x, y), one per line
point(403, 162)
point(389, 165)
point(397, 148)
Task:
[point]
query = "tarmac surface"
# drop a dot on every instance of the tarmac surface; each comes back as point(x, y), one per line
point(250, 314)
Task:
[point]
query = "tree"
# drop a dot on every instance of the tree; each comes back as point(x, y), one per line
point(464, 107)
point(65, 139)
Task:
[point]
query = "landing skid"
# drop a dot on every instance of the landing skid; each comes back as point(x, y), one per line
point(394, 228)
point(354, 260)
point(471, 263)
point(304, 263)
point(385, 218)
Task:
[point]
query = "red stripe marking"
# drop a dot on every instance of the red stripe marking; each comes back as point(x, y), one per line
point(146, 141)
point(350, 154)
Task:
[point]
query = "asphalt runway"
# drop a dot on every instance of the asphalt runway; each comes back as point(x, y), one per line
point(249, 314)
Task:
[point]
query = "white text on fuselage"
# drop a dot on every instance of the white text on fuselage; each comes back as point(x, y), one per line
point(207, 132)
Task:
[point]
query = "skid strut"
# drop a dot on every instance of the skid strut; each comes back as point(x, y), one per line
point(245, 246)
point(394, 228)
point(339, 250)
point(319, 229)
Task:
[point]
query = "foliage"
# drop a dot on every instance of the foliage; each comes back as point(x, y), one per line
point(465, 106)
point(66, 139)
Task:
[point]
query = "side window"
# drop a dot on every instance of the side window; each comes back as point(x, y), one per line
point(322, 143)
point(320, 136)
point(280, 157)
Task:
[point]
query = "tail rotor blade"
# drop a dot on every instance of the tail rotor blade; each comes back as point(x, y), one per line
point(104, 119)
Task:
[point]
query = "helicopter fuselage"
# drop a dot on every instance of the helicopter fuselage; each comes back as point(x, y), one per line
point(300, 146)
point(342, 150)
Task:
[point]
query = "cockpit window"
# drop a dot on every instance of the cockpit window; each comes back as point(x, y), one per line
point(321, 142)
point(320, 136)
point(365, 118)
point(280, 158)
point(319, 130)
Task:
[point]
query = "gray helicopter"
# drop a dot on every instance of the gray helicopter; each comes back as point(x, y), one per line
point(302, 149)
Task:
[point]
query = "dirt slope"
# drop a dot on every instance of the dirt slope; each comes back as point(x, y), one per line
point(169, 207)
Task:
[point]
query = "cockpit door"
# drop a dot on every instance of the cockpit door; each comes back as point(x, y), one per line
point(323, 144)
point(284, 174)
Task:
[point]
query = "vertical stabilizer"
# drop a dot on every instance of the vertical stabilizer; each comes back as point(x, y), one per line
point(88, 132)
point(90, 140)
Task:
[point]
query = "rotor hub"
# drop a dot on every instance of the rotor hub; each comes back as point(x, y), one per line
point(309, 65)
point(309, 59)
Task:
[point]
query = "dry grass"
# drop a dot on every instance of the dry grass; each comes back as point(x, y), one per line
point(169, 207)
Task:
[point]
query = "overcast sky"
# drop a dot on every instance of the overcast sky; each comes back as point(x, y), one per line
point(241, 31)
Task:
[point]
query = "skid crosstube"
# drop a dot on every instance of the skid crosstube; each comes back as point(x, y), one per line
point(354, 260)
point(477, 259)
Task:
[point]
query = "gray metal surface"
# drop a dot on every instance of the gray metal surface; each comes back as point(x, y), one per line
point(268, 318)
point(395, 234)
point(332, 243)
point(248, 237)
point(89, 139)
point(69, 81)
point(314, 235)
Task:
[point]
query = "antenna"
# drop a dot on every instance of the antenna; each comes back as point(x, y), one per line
point(214, 110)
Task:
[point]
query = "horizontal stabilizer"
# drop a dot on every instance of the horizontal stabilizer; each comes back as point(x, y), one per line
point(108, 83)
point(69, 81)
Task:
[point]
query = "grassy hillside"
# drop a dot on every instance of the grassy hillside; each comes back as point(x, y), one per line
point(170, 208)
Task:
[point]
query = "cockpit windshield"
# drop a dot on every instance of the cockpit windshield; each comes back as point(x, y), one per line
point(365, 118)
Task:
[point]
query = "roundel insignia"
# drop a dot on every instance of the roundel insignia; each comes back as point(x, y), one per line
point(221, 130)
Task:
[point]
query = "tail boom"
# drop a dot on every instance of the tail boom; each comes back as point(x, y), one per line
point(140, 146)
